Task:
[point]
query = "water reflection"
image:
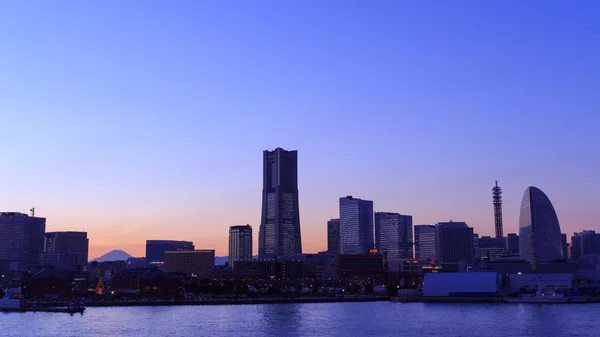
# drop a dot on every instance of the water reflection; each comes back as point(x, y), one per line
point(322, 320)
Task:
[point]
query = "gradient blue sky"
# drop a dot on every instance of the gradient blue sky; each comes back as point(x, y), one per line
point(147, 119)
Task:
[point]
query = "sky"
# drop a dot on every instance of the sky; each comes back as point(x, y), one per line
point(145, 120)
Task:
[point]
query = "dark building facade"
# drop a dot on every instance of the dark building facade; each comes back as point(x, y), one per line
point(21, 241)
point(67, 251)
point(394, 235)
point(48, 283)
point(360, 266)
point(279, 232)
point(584, 243)
point(240, 244)
point(512, 244)
point(455, 243)
point(146, 283)
point(194, 263)
point(540, 239)
point(155, 249)
point(333, 236)
point(425, 242)
point(356, 225)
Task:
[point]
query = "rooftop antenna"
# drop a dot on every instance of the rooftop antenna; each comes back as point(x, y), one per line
point(32, 211)
point(497, 198)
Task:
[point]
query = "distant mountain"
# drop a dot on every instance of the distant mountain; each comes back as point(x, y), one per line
point(221, 260)
point(113, 255)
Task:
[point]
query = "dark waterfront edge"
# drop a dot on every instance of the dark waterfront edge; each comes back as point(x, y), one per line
point(235, 302)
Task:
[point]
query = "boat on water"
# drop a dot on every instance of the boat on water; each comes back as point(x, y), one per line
point(541, 296)
point(11, 299)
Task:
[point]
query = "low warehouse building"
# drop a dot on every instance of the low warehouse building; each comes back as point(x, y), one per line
point(465, 284)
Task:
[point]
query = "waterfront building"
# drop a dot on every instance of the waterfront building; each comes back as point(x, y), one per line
point(393, 235)
point(48, 282)
point(512, 244)
point(584, 243)
point(360, 266)
point(150, 282)
point(257, 269)
point(425, 242)
point(333, 236)
point(540, 238)
point(279, 232)
point(194, 263)
point(356, 225)
point(240, 244)
point(455, 243)
point(314, 267)
point(482, 284)
point(21, 241)
point(155, 249)
point(66, 251)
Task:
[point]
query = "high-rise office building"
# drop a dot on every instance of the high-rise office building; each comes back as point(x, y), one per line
point(455, 243)
point(279, 232)
point(240, 244)
point(155, 249)
point(512, 244)
point(584, 243)
point(67, 251)
point(333, 236)
point(476, 253)
point(21, 241)
point(425, 242)
point(540, 238)
point(356, 225)
point(394, 235)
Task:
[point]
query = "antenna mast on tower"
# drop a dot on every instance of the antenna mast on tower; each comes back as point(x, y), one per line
point(497, 196)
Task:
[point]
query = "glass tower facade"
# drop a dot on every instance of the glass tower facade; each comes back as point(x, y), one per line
point(240, 244)
point(333, 236)
point(21, 241)
point(356, 225)
point(540, 239)
point(279, 232)
point(70, 246)
point(425, 242)
point(393, 235)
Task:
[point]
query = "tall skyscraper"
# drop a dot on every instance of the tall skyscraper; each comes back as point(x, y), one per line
point(584, 243)
point(394, 234)
point(21, 241)
point(66, 251)
point(155, 249)
point(279, 232)
point(540, 238)
point(240, 244)
point(497, 197)
point(455, 243)
point(333, 236)
point(425, 242)
point(356, 225)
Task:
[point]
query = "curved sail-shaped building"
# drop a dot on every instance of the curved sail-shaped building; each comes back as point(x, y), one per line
point(539, 231)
